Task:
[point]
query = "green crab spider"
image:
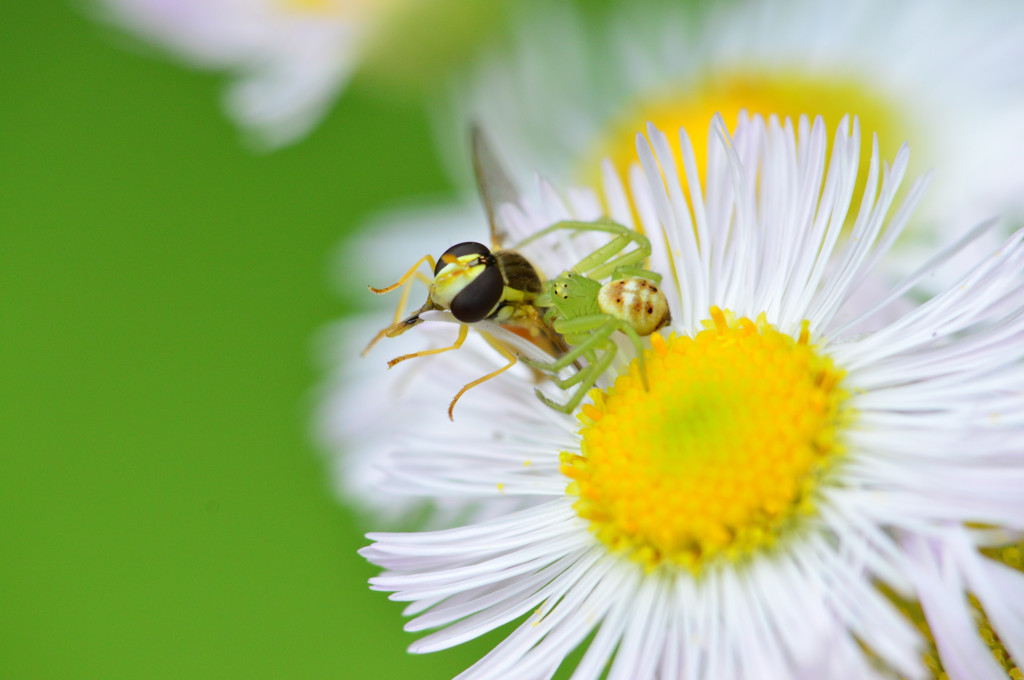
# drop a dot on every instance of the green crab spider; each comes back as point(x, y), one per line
point(586, 313)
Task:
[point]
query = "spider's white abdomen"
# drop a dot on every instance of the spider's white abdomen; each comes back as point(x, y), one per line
point(638, 302)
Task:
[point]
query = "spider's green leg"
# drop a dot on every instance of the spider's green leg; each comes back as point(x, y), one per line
point(623, 236)
point(599, 324)
point(550, 402)
point(611, 325)
point(568, 382)
point(634, 337)
point(576, 377)
point(600, 263)
point(603, 254)
point(582, 325)
point(626, 272)
point(641, 253)
point(568, 407)
point(604, 225)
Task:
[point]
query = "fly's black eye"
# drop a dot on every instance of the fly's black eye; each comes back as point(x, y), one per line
point(476, 301)
point(461, 250)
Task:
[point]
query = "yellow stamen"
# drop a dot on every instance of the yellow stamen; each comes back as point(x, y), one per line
point(721, 456)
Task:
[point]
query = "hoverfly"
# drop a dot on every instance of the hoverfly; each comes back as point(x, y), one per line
point(476, 283)
point(571, 317)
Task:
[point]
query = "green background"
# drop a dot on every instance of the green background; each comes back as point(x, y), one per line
point(163, 512)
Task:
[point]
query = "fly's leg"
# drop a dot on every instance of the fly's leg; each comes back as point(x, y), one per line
point(390, 331)
point(502, 349)
point(428, 258)
point(403, 300)
point(463, 331)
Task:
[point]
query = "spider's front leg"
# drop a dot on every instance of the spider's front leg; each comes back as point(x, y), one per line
point(603, 261)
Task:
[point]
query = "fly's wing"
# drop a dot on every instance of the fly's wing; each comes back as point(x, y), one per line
point(493, 182)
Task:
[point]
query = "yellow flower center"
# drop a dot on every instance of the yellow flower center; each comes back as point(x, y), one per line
point(721, 456)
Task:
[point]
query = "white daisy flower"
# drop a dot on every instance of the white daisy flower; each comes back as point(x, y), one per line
point(290, 58)
point(782, 485)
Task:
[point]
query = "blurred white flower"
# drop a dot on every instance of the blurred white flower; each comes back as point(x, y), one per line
point(289, 59)
point(756, 511)
point(942, 75)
